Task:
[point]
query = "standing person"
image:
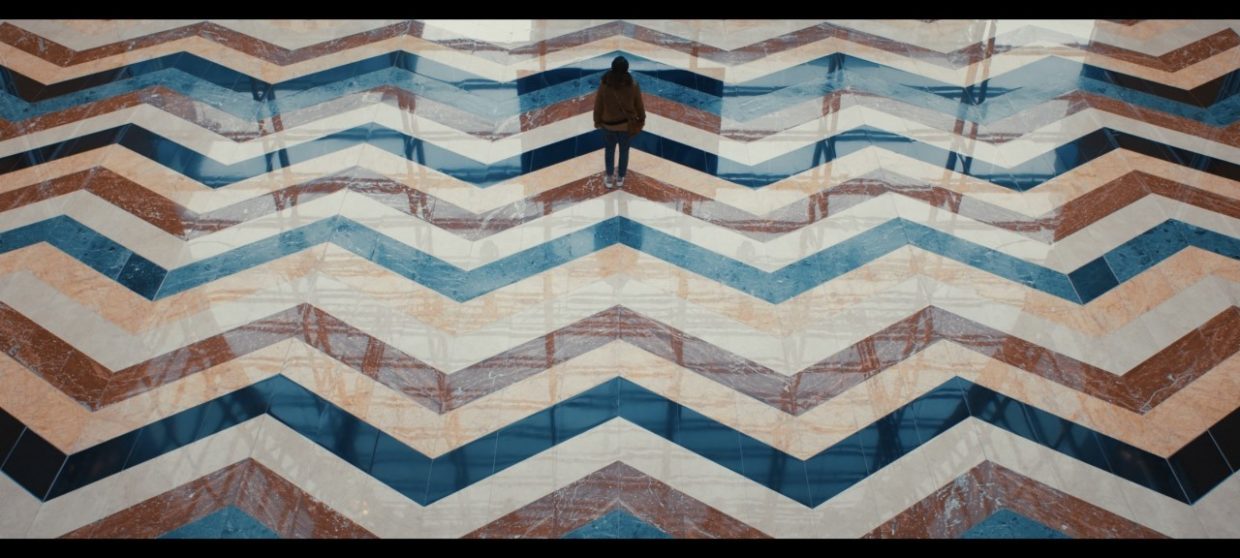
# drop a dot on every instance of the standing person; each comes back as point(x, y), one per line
point(620, 114)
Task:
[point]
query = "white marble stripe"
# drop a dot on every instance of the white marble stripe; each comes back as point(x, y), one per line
point(1005, 62)
point(950, 36)
point(87, 34)
point(17, 509)
point(726, 34)
point(298, 34)
point(942, 36)
point(508, 34)
point(947, 283)
point(785, 352)
point(95, 501)
point(1064, 256)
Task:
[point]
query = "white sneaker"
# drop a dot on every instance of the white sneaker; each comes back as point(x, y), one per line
point(609, 181)
point(620, 182)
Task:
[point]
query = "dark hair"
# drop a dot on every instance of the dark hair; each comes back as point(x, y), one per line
point(619, 74)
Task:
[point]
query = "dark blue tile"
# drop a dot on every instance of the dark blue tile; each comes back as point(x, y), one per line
point(525, 438)
point(1000, 410)
point(940, 409)
point(209, 527)
point(347, 437)
point(593, 141)
point(1226, 434)
point(21, 237)
point(835, 470)
point(236, 407)
point(93, 249)
point(19, 85)
point(1067, 437)
point(166, 435)
point(649, 410)
point(1199, 466)
point(1093, 279)
point(333, 76)
point(10, 430)
point(15, 162)
point(461, 467)
point(240, 525)
point(1217, 89)
point(1209, 240)
point(34, 463)
point(888, 439)
point(587, 410)
point(535, 82)
point(1080, 151)
point(554, 153)
point(775, 469)
point(618, 524)
point(92, 464)
point(706, 437)
point(248, 256)
point(1144, 251)
point(297, 407)
point(1006, 524)
point(142, 276)
point(227, 523)
point(1141, 467)
point(206, 70)
point(79, 144)
point(401, 467)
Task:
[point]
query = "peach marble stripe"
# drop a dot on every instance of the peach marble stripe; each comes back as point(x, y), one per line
point(1104, 315)
point(31, 43)
point(1139, 389)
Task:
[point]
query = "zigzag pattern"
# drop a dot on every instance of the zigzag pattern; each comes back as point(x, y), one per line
point(865, 279)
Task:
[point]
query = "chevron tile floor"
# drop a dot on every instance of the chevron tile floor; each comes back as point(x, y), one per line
point(866, 279)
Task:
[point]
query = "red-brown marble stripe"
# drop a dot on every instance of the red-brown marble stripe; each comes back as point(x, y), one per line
point(186, 224)
point(1139, 390)
point(254, 489)
point(290, 511)
point(64, 56)
point(976, 495)
point(51, 51)
point(616, 486)
point(180, 506)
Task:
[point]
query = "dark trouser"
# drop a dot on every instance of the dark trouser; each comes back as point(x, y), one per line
point(610, 139)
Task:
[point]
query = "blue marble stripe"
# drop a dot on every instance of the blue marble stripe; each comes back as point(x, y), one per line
point(227, 523)
point(1213, 103)
point(1081, 286)
point(1067, 157)
point(1007, 524)
point(37, 466)
point(618, 524)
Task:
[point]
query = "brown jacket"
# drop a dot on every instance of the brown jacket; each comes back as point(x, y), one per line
point(615, 105)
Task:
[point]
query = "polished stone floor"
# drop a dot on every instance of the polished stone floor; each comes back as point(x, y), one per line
point(864, 279)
